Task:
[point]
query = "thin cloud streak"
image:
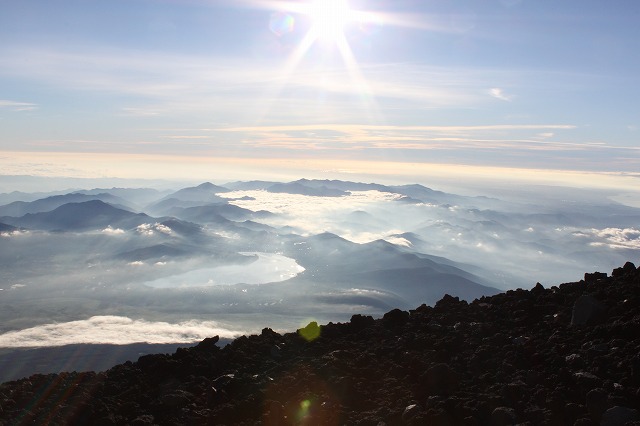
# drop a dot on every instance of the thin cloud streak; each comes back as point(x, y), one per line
point(349, 127)
point(18, 106)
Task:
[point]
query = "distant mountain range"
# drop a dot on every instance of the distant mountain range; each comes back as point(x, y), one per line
point(20, 208)
point(88, 215)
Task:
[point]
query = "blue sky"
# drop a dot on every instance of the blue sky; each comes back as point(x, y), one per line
point(530, 84)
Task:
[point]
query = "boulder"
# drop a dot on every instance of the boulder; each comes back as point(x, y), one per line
point(395, 318)
point(208, 344)
point(410, 412)
point(587, 310)
point(628, 269)
point(596, 402)
point(503, 416)
point(539, 288)
point(617, 416)
point(440, 380)
point(593, 277)
point(360, 322)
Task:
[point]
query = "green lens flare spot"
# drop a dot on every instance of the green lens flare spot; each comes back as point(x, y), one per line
point(311, 332)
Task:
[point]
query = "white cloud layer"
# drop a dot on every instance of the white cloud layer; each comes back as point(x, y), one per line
point(313, 214)
point(627, 238)
point(149, 229)
point(112, 231)
point(15, 233)
point(114, 330)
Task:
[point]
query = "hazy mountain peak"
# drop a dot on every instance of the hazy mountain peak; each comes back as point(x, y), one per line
point(211, 187)
point(302, 189)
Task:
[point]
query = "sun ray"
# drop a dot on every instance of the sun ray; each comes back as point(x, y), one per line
point(329, 22)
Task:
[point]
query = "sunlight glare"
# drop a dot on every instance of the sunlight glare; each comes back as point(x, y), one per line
point(330, 18)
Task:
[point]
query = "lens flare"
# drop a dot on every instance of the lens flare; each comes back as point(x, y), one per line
point(281, 23)
point(311, 332)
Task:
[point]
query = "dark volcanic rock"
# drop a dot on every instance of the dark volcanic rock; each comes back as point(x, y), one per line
point(513, 358)
point(595, 276)
point(587, 311)
point(616, 416)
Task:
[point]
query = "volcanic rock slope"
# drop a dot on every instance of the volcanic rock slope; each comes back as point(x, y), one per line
point(566, 355)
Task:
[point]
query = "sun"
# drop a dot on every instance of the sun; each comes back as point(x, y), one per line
point(329, 19)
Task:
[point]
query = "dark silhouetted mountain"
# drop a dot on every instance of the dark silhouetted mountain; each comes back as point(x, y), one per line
point(340, 263)
point(7, 228)
point(566, 355)
point(20, 208)
point(422, 283)
point(302, 189)
point(90, 215)
point(18, 364)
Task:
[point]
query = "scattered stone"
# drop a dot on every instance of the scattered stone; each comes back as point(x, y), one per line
point(410, 412)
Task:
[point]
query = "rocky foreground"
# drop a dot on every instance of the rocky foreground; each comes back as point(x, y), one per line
point(567, 355)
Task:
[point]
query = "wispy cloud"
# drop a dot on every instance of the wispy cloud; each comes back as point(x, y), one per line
point(18, 106)
point(161, 84)
point(352, 137)
point(498, 93)
point(114, 330)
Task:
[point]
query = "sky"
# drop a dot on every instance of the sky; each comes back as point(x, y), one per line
point(179, 88)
